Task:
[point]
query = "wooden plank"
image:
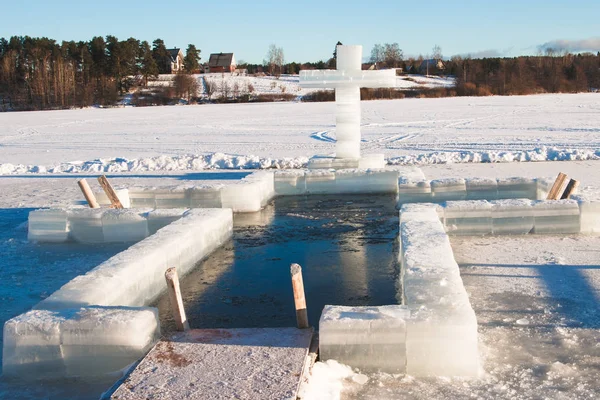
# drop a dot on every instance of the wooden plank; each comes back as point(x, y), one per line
point(88, 194)
point(175, 299)
point(207, 364)
point(570, 189)
point(557, 188)
point(299, 299)
point(110, 192)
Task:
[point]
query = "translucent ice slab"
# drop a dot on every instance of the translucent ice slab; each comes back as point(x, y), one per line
point(290, 182)
point(320, 182)
point(472, 217)
point(448, 189)
point(48, 225)
point(85, 225)
point(367, 338)
point(333, 79)
point(556, 216)
point(160, 218)
point(589, 208)
point(122, 194)
point(512, 217)
point(77, 342)
point(124, 225)
point(410, 191)
point(205, 196)
point(517, 188)
point(481, 189)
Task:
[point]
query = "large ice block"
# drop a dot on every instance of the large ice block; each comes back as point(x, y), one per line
point(410, 191)
point(442, 341)
point(31, 346)
point(290, 182)
point(366, 181)
point(481, 189)
point(320, 182)
point(468, 218)
point(421, 212)
point(141, 197)
point(85, 225)
point(367, 338)
point(48, 226)
point(99, 340)
point(205, 196)
point(556, 216)
point(517, 188)
point(442, 329)
point(250, 194)
point(172, 197)
point(160, 218)
point(589, 209)
point(449, 189)
point(122, 194)
point(77, 342)
point(512, 217)
point(124, 225)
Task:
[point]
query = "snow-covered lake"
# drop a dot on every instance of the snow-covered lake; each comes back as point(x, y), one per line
point(266, 135)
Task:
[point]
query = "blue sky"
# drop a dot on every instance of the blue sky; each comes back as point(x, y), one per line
point(308, 30)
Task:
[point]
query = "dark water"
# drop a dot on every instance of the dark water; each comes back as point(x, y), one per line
point(346, 245)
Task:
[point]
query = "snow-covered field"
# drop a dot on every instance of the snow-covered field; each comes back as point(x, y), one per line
point(284, 135)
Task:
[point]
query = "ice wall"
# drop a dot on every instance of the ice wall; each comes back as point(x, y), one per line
point(77, 342)
point(438, 191)
point(441, 335)
point(367, 338)
point(135, 277)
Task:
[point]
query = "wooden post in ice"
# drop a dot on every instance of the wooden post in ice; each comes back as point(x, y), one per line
point(299, 299)
point(88, 194)
point(110, 192)
point(557, 188)
point(347, 80)
point(175, 299)
point(570, 189)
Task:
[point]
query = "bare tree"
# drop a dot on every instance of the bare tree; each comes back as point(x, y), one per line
point(209, 87)
point(436, 52)
point(387, 55)
point(275, 60)
point(185, 85)
point(377, 54)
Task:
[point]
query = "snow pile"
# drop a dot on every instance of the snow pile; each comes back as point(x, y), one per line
point(328, 379)
point(215, 161)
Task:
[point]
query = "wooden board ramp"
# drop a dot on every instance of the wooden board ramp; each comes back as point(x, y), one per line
point(246, 363)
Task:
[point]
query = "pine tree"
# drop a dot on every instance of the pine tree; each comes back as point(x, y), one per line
point(191, 62)
point(161, 56)
point(148, 67)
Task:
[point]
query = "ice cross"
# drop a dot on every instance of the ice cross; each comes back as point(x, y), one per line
point(347, 81)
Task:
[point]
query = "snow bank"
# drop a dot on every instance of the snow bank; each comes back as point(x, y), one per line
point(215, 161)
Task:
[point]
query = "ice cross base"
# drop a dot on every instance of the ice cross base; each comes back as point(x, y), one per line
point(347, 81)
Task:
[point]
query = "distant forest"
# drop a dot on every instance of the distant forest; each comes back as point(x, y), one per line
point(40, 73)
